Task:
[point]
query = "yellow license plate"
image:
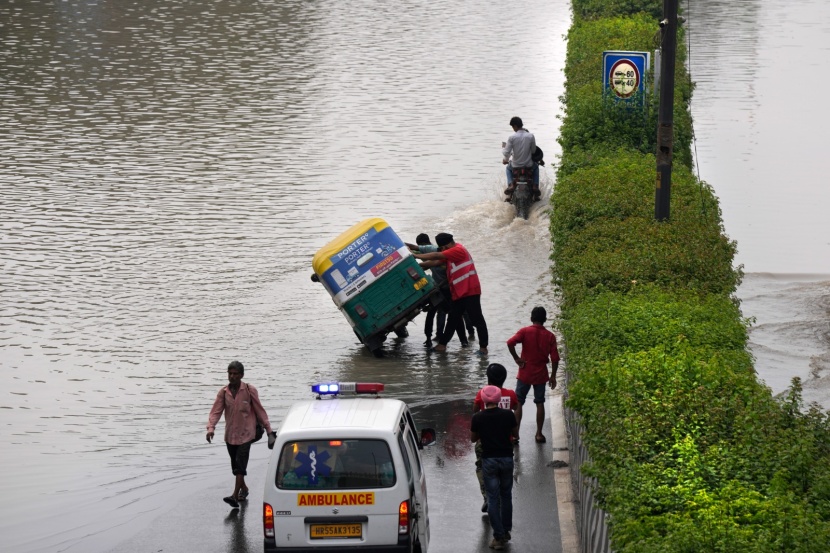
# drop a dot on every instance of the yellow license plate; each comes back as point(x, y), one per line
point(322, 531)
point(420, 284)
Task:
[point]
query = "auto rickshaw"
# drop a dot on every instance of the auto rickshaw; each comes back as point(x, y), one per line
point(374, 280)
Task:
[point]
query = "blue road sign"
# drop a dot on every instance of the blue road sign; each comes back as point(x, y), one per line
point(624, 74)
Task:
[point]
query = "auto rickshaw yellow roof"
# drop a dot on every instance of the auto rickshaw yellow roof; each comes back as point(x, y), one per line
point(322, 259)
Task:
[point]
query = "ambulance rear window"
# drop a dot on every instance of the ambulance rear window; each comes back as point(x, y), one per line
point(335, 464)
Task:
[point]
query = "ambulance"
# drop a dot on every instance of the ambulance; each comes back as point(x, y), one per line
point(346, 473)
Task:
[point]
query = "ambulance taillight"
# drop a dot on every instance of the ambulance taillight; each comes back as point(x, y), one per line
point(268, 520)
point(403, 517)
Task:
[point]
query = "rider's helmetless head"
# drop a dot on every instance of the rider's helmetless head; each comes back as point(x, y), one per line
point(516, 122)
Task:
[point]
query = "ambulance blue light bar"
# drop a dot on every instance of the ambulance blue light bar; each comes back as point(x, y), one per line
point(337, 388)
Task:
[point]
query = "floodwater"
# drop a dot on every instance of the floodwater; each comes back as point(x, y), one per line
point(759, 67)
point(170, 167)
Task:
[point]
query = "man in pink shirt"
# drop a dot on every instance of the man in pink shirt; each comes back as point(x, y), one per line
point(538, 345)
point(240, 403)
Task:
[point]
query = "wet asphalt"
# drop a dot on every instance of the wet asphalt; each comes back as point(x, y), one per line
point(202, 522)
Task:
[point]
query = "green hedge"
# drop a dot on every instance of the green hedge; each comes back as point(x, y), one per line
point(593, 9)
point(620, 184)
point(593, 120)
point(617, 255)
point(690, 452)
point(611, 324)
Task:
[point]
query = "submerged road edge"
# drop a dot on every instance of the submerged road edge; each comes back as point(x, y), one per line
point(561, 463)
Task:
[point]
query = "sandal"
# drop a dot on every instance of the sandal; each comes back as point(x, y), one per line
point(540, 439)
point(243, 495)
point(231, 501)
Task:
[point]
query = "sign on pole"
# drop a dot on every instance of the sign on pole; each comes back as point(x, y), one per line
point(624, 75)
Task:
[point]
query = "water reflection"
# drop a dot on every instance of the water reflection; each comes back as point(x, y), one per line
point(169, 169)
point(758, 71)
point(237, 540)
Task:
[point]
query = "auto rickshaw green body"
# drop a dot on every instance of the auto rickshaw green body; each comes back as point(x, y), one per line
point(374, 280)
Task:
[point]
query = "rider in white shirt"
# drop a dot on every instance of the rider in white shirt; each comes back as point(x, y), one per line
point(521, 145)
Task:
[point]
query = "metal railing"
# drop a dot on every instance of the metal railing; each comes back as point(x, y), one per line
point(592, 521)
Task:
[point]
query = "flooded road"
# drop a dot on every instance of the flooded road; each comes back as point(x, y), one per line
point(760, 124)
point(170, 168)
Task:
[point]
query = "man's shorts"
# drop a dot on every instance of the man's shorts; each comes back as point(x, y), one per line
point(538, 392)
point(239, 457)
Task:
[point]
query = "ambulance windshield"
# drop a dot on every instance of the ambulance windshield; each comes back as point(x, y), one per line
point(335, 464)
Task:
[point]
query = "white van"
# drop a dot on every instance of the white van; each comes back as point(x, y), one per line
point(346, 473)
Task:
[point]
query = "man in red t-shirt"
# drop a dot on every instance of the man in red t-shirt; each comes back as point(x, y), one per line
point(538, 345)
point(464, 287)
point(496, 375)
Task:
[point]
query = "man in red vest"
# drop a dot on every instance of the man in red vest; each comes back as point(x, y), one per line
point(465, 289)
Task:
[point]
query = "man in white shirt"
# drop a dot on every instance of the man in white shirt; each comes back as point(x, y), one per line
point(521, 146)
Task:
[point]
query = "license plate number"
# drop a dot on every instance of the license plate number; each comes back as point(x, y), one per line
point(322, 531)
point(420, 284)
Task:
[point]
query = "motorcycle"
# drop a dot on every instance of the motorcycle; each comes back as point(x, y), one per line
point(523, 196)
point(523, 191)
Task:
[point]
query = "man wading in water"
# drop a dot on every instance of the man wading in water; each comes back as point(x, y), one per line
point(240, 404)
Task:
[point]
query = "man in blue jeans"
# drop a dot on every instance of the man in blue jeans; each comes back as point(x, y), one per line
point(495, 426)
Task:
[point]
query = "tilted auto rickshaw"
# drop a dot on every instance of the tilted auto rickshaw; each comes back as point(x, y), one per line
point(374, 280)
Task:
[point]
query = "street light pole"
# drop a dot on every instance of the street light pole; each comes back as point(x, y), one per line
point(665, 114)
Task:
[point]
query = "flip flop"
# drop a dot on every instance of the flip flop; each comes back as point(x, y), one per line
point(231, 501)
point(540, 439)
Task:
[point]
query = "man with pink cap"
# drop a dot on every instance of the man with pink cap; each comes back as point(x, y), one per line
point(495, 426)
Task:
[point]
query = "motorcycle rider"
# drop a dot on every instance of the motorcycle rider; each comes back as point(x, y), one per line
point(521, 145)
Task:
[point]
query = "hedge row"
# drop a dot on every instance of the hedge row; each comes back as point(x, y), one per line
point(691, 453)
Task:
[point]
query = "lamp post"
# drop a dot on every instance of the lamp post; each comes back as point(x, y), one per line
point(665, 114)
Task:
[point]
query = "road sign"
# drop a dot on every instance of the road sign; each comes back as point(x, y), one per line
point(624, 74)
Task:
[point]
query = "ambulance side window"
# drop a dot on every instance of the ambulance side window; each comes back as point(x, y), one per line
point(412, 424)
point(414, 444)
point(405, 456)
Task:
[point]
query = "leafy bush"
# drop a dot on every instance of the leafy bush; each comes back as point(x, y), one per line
point(593, 119)
point(593, 9)
point(609, 254)
point(587, 40)
point(621, 184)
point(677, 446)
point(611, 324)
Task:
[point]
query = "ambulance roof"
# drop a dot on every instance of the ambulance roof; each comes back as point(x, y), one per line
point(342, 413)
